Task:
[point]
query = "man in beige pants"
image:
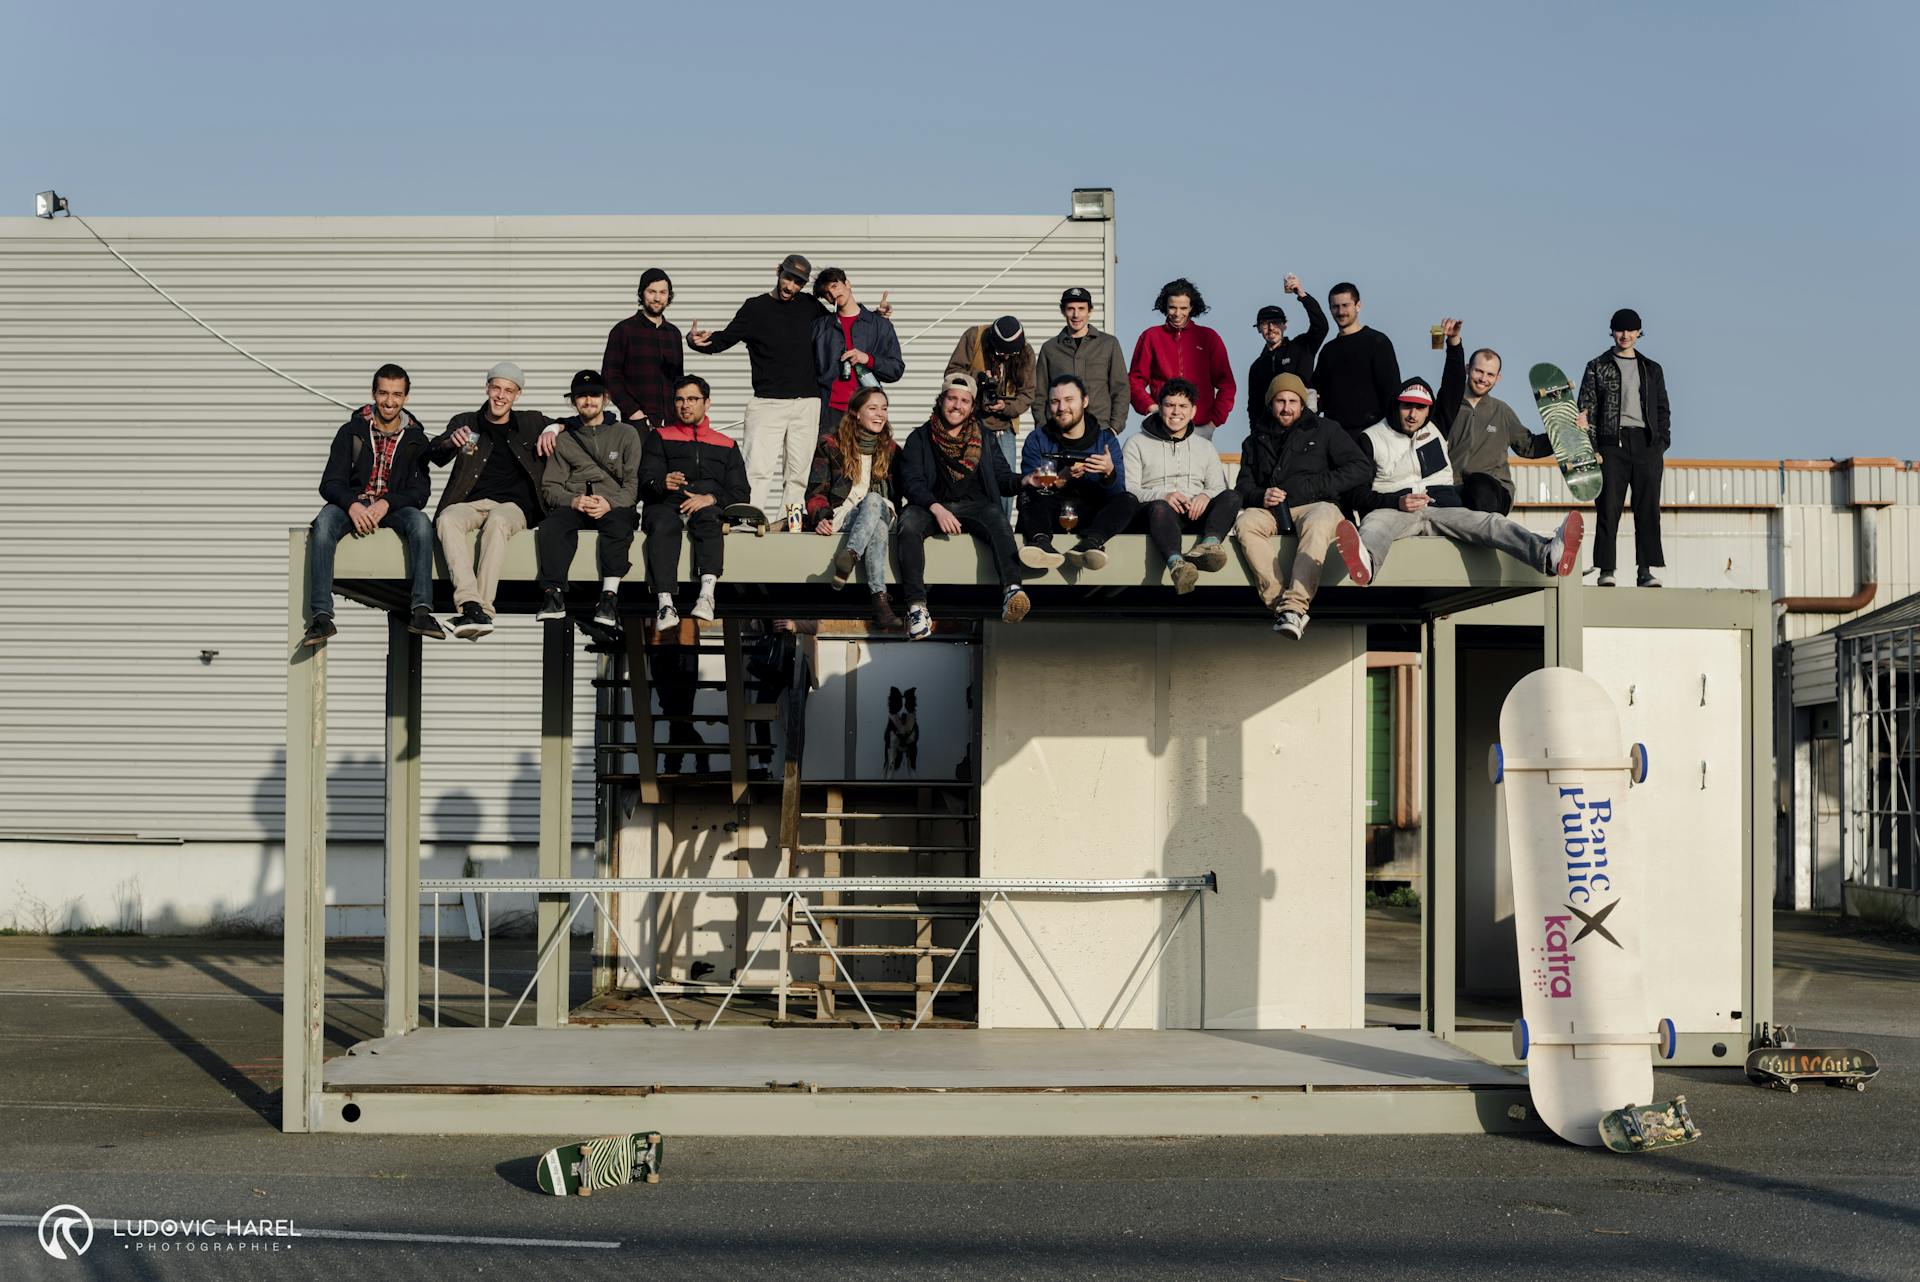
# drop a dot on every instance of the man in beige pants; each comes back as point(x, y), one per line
point(1294, 471)
point(494, 489)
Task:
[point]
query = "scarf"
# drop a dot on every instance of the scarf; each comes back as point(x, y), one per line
point(867, 442)
point(959, 454)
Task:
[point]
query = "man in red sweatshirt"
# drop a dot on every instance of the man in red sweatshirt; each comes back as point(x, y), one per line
point(1182, 349)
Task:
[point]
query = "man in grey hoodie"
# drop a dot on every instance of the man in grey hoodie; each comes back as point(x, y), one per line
point(1176, 474)
point(591, 482)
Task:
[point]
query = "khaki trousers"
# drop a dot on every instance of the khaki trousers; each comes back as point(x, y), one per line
point(1259, 535)
point(778, 444)
point(497, 522)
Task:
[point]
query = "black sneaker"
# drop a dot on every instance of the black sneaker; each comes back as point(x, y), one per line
point(472, 622)
point(319, 628)
point(607, 613)
point(553, 605)
point(424, 624)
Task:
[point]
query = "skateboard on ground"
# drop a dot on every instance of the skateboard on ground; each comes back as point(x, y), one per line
point(1641, 1128)
point(1577, 902)
point(1553, 394)
point(738, 514)
point(599, 1163)
point(1788, 1066)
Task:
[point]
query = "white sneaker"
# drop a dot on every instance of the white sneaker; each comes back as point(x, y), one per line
point(919, 622)
point(665, 618)
point(703, 606)
point(1290, 623)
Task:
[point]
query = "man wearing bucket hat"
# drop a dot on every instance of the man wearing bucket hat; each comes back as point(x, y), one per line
point(1623, 400)
point(783, 414)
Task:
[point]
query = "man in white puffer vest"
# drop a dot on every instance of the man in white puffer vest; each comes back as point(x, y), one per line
point(1412, 494)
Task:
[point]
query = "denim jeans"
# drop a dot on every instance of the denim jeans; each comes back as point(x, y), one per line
point(868, 528)
point(333, 524)
point(1009, 443)
point(1381, 528)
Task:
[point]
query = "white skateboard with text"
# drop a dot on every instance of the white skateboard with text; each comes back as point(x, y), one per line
point(1580, 894)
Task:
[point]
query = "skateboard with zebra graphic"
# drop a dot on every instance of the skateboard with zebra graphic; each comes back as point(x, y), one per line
point(599, 1163)
point(1553, 395)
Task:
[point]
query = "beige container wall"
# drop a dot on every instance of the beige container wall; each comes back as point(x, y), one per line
point(1174, 749)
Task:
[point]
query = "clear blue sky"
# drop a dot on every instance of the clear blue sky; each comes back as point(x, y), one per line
point(1741, 174)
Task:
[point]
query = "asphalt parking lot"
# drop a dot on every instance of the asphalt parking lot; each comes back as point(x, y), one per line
point(138, 1080)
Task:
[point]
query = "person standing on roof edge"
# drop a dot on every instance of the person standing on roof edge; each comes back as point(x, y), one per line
point(1357, 374)
point(375, 478)
point(783, 414)
point(1292, 478)
point(954, 480)
point(853, 347)
point(1283, 355)
point(1071, 459)
point(1482, 430)
point(590, 483)
point(1180, 348)
point(1412, 494)
point(1623, 406)
point(689, 474)
point(494, 489)
point(644, 357)
point(1093, 357)
point(1176, 475)
point(1001, 364)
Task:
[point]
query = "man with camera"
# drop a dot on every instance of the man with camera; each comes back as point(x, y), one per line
point(1001, 364)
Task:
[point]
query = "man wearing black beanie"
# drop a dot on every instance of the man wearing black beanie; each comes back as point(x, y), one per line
point(1623, 406)
point(643, 357)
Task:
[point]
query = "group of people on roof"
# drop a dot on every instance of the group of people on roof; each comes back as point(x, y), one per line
point(1343, 456)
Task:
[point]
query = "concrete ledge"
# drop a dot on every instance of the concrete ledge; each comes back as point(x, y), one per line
point(1884, 905)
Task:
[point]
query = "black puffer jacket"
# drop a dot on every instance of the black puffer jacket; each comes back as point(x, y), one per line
point(1314, 461)
point(1600, 398)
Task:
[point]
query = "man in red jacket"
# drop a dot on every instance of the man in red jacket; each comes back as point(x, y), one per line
point(1182, 349)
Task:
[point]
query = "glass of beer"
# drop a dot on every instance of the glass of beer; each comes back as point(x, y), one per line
point(1439, 337)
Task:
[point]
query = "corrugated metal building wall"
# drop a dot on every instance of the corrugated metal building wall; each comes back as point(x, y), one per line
point(153, 473)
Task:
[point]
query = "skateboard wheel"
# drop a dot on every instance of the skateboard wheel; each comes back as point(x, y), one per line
point(1522, 1040)
point(1793, 1088)
point(1669, 1039)
point(1496, 764)
point(1859, 1086)
point(1637, 761)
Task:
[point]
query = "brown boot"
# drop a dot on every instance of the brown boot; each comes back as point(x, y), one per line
point(883, 616)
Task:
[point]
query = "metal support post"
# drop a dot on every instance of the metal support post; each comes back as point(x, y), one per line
point(1564, 625)
point(1757, 889)
point(556, 815)
point(304, 944)
point(1439, 918)
point(403, 828)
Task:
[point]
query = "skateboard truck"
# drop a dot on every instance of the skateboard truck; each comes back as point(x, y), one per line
point(1665, 1038)
point(1499, 766)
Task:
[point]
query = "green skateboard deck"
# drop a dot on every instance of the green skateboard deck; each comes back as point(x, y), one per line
point(1553, 394)
point(579, 1169)
point(1641, 1128)
point(737, 514)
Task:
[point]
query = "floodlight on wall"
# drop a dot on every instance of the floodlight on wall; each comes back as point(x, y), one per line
point(48, 203)
point(1091, 205)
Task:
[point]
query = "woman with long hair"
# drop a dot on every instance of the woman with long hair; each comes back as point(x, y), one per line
point(853, 491)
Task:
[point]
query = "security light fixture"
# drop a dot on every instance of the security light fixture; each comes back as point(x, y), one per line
point(1091, 205)
point(48, 203)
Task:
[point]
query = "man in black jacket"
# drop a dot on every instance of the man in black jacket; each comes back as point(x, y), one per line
point(954, 480)
point(689, 475)
point(1291, 478)
point(494, 490)
point(1623, 404)
point(1357, 375)
point(783, 414)
point(376, 477)
point(1283, 355)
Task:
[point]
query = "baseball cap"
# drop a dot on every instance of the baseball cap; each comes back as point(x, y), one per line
point(961, 380)
point(796, 265)
point(1075, 295)
point(588, 383)
point(1416, 392)
point(1271, 312)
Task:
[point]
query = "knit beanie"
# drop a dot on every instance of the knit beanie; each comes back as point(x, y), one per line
point(1625, 318)
point(1286, 383)
point(509, 371)
point(1005, 335)
point(649, 276)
